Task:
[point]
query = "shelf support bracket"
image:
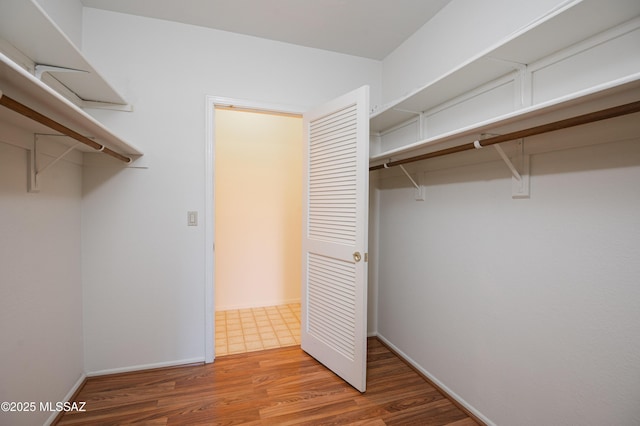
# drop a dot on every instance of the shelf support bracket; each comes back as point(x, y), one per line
point(514, 171)
point(34, 171)
point(419, 192)
point(32, 182)
point(41, 69)
point(520, 179)
point(55, 160)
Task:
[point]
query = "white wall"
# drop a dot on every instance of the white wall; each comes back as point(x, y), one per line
point(67, 14)
point(526, 309)
point(40, 268)
point(460, 31)
point(143, 268)
point(40, 288)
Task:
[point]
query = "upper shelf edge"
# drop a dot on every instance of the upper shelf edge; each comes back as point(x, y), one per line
point(27, 27)
point(25, 88)
point(586, 100)
point(575, 21)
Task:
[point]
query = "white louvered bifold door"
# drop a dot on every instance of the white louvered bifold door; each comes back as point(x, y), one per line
point(334, 269)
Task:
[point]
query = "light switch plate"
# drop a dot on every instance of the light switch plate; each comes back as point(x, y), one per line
point(192, 218)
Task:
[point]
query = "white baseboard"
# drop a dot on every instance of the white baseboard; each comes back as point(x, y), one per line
point(67, 398)
point(431, 377)
point(145, 367)
point(257, 305)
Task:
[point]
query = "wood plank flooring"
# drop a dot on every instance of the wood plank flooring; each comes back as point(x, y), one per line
point(273, 387)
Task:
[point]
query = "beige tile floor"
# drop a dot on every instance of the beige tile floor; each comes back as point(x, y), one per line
point(255, 329)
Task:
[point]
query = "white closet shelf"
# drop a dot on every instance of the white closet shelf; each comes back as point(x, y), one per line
point(618, 92)
point(37, 40)
point(551, 33)
point(19, 85)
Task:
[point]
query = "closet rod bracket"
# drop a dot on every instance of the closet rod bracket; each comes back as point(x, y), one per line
point(419, 189)
point(521, 188)
point(34, 171)
point(507, 161)
point(32, 181)
point(519, 179)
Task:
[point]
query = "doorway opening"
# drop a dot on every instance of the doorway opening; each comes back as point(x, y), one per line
point(257, 226)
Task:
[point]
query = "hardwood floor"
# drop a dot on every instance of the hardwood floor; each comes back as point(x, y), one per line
point(273, 387)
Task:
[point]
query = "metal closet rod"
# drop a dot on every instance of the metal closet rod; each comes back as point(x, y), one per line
point(16, 106)
point(591, 117)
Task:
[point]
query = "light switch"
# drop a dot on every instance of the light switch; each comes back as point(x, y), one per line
point(192, 218)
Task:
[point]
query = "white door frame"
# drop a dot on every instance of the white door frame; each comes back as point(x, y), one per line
point(209, 206)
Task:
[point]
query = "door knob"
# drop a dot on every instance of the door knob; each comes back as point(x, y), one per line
point(357, 256)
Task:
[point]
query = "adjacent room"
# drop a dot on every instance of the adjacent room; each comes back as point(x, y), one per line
point(320, 212)
point(257, 222)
